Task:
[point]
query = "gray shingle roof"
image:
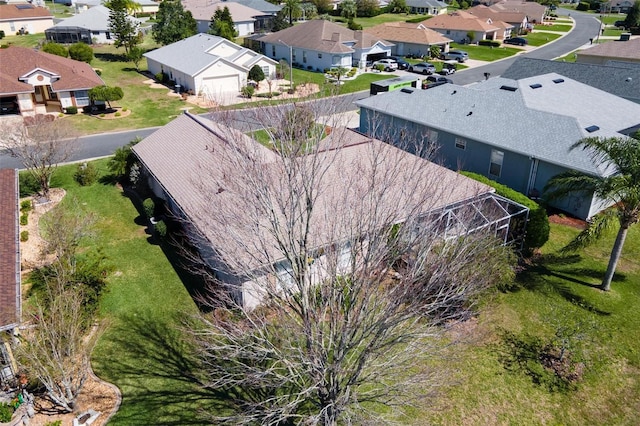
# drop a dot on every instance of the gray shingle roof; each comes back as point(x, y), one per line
point(95, 19)
point(426, 3)
point(190, 55)
point(542, 122)
point(261, 5)
point(620, 78)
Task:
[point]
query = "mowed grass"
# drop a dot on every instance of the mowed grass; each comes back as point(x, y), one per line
point(485, 53)
point(554, 27)
point(142, 350)
point(386, 17)
point(540, 38)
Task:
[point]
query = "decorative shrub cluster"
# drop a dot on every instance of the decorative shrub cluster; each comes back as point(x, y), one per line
point(161, 228)
point(6, 411)
point(24, 236)
point(86, 174)
point(24, 219)
point(492, 43)
point(71, 110)
point(149, 207)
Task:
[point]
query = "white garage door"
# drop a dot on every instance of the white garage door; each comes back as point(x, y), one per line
point(222, 84)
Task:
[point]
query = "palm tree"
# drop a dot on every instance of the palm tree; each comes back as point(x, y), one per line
point(622, 189)
point(292, 8)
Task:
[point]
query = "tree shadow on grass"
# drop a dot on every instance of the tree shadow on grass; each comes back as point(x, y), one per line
point(154, 365)
point(111, 57)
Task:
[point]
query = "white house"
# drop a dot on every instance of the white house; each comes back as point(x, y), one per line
point(208, 65)
point(91, 26)
point(319, 44)
point(244, 17)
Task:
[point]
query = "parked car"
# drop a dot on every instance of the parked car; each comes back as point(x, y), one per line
point(402, 64)
point(438, 79)
point(519, 41)
point(458, 55)
point(8, 106)
point(389, 64)
point(423, 68)
point(619, 24)
point(449, 67)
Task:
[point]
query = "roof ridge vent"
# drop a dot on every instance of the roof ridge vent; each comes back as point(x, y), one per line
point(508, 88)
point(592, 129)
point(558, 80)
point(535, 85)
point(406, 90)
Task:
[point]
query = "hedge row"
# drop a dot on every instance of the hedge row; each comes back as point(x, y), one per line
point(538, 226)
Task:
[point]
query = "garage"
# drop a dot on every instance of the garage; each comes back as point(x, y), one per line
point(222, 84)
point(9, 105)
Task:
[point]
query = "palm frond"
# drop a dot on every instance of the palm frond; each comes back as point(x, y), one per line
point(598, 225)
point(572, 181)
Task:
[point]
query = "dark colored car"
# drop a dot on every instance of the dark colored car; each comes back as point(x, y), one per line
point(438, 79)
point(619, 24)
point(519, 41)
point(402, 64)
point(423, 68)
point(8, 106)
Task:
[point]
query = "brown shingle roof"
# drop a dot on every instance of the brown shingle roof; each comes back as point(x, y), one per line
point(10, 12)
point(482, 11)
point(461, 21)
point(621, 50)
point(203, 176)
point(323, 36)
point(9, 250)
point(19, 61)
point(407, 33)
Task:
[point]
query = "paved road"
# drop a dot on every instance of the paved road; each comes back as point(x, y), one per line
point(587, 26)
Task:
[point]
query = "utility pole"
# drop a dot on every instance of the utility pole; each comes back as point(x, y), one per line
point(291, 88)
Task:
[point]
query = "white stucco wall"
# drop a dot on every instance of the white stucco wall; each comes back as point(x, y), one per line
point(32, 25)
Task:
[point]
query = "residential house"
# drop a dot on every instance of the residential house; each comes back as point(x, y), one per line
point(208, 65)
point(191, 165)
point(427, 7)
point(38, 82)
point(617, 50)
point(244, 17)
point(517, 20)
point(10, 295)
point(144, 6)
point(24, 18)
point(517, 132)
point(409, 38)
point(264, 21)
point(616, 6)
point(618, 78)
point(319, 44)
point(535, 12)
point(90, 27)
point(458, 25)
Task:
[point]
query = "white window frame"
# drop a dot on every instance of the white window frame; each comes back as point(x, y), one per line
point(461, 143)
point(82, 97)
point(497, 160)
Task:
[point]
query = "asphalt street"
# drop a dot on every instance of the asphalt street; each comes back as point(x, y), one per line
point(95, 146)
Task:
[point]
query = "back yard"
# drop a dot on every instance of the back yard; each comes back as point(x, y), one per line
point(499, 377)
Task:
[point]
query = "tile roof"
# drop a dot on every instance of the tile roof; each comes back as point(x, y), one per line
point(482, 11)
point(196, 161)
point(323, 36)
point(9, 250)
point(541, 123)
point(191, 55)
point(461, 21)
point(532, 9)
point(621, 50)
point(407, 33)
point(203, 10)
point(19, 61)
point(11, 12)
point(618, 78)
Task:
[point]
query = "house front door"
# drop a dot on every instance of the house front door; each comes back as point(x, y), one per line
point(39, 95)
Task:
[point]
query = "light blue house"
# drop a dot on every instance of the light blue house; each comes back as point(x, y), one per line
point(318, 44)
point(517, 132)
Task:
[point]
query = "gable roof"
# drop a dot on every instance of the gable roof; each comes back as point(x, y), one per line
point(16, 62)
point(427, 3)
point(207, 148)
point(532, 9)
point(619, 78)
point(13, 12)
point(323, 36)
point(621, 50)
point(94, 19)
point(263, 6)
point(203, 10)
point(540, 122)
point(192, 55)
point(482, 11)
point(463, 21)
point(9, 250)
point(407, 33)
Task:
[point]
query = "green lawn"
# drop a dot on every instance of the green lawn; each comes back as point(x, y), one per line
point(570, 57)
point(147, 296)
point(386, 17)
point(554, 27)
point(540, 38)
point(29, 40)
point(486, 53)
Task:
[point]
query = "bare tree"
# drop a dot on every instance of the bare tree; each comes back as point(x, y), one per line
point(343, 244)
point(40, 144)
point(56, 349)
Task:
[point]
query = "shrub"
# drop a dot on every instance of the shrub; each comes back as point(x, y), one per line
point(161, 228)
point(379, 67)
point(99, 72)
point(60, 115)
point(86, 174)
point(24, 236)
point(149, 207)
point(268, 95)
point(538, 226)
point(1, 34)
point(71, 110)
point(492, 43)
point(55, 49)
point(6, 411)
point(118, 114)
point(81, 52)
point(26, 206)
point(28, 184)
point(247, 91)
point(159, 77)
point(416, 20)
point(125, 109)
point(582, 6)
point(102, 115)
point(24, 219)
point(354, 26)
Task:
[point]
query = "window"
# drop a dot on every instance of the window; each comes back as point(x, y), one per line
point(495, 167)
point(12, 26)
point(273, 50)
point(304, 56)
point(95, 33)
point(461, 143)
point(51, 94)
point(107, 35)
point(82, 98)
point(448, 32)
point(293, 55)
point(319, 55)
point(266, 71)
point(432, 136)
